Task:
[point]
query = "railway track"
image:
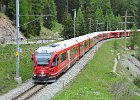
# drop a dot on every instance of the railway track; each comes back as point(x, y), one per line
point(134, 62)
point(30, 92)
point(131, 64)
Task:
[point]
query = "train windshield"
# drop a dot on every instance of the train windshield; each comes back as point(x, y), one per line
point(43, 58)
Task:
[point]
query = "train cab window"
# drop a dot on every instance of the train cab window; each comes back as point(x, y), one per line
point(62, 57)
point(55, 61)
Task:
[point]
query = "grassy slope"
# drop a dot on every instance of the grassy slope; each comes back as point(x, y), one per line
point(95, 80)
point(8, 65)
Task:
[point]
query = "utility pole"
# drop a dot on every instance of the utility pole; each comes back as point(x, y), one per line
point(107, 21)
point(17, 77)
point(96, 25)
point(125, 27)
point(67, 6)
point(107, 26)
point(89, 24)
point(74, 20)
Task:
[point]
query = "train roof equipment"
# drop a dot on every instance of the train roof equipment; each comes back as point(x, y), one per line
point(81, 38)
point(96, 33)
point(57, 46)
point(90, 36)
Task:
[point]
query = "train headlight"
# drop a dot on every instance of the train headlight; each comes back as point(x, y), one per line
point(42, 73)
point(51, 70)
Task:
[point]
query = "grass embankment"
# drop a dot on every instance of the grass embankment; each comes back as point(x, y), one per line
point(8, 65)
point(97, 81)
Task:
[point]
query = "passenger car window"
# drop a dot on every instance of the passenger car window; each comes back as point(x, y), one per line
point(86, 44)
point(63, 57)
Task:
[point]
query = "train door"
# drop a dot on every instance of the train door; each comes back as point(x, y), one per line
point(81, 49)
point(54, 65)
point(91, 42)
point(83, 52)
point(121, 34)
point(96, 39)
point(68, 58)
point(55, 61)
point(86, 46)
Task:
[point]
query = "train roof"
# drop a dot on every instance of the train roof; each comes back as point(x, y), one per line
point(57, 46)
point(68, 43)
point(121, 31)
point(90, 35)
point(81, 38)
point(95, 33)
point(104, 32)
point(50, 48)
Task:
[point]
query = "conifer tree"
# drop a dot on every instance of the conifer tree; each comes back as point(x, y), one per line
point(61, 7)
point(73, 4)
point(24, 19)
point(100, 18)
point(86, 9)
point(35, 9)
point(111, 21)
point(80, 23)
point(11, 9)
point(68, 27)
point(50, 8)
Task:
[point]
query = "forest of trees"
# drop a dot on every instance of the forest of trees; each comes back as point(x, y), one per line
point(92, 15)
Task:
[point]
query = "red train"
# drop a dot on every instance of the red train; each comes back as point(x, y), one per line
point(52, 60)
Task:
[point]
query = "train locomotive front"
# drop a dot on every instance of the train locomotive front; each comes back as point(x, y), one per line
point(45, 62)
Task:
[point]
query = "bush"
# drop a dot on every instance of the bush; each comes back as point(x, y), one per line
point(116, 45)
point(136, 81)
point(138, 44)
point(134, 37)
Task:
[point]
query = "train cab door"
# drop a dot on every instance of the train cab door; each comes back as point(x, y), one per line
point(68, 58)
point(54, 64)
